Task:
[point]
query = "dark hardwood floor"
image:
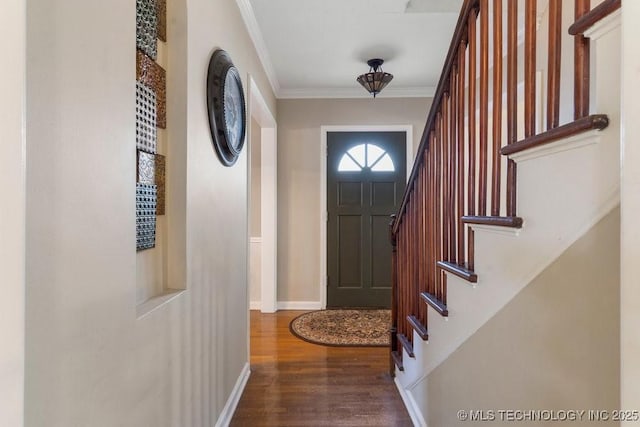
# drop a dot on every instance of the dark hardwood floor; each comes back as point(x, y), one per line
point(294, 383)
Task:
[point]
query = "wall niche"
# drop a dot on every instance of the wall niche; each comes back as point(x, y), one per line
point(154, 284)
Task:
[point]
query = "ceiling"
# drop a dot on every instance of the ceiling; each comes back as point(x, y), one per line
point(316, 49)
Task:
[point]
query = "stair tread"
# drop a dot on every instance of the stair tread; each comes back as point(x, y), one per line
point(406, 344)
point(500, 221)
point(420, 329)
point(458, 270)
point(397, 359)
point(594, 121)
point(435, 303)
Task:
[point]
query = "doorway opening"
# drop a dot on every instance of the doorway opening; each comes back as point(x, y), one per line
point(363, 174)
point(262, 171)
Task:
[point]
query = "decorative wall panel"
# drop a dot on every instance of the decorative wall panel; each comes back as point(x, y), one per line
point(155, 77)
point(146, 168)
point(146, 132)
point(162, 19)
point(145, 216)
point(160, 179)
point(147, 27)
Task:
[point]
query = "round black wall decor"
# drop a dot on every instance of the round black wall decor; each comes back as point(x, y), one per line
point(225, 102)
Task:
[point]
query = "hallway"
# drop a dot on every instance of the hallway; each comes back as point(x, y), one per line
point(294, 383)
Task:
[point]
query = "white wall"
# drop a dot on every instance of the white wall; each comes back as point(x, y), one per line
point(12, 208)
point(538, 351)
point(255, 245)
point(299, 123)
point(630, 209)
point(90, 362)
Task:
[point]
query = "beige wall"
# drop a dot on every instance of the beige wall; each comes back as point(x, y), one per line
point(89, 361)
point(554, 346)
point(299, 123)
point(12, 210)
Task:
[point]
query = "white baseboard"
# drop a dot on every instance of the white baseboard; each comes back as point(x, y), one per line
point(230, 407)
point(299, 305)
point(411, 405)
point(289, 305)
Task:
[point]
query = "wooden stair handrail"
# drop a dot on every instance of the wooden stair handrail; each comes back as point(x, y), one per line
point(604, 9)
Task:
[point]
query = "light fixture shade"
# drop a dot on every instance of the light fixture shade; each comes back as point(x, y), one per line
point(376, 79)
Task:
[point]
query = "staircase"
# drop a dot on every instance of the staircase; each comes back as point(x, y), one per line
point(518, 159)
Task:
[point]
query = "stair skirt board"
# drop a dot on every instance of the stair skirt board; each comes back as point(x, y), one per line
point(412, 407)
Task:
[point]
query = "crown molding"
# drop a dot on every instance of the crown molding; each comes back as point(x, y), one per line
point(356, 92)
point(249, 18)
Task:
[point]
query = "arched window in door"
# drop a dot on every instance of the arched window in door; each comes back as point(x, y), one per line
point(366, 156)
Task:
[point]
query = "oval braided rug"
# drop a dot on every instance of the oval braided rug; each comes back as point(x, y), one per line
point(349, 328)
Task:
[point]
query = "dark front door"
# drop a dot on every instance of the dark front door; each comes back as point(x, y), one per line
point(365, 181)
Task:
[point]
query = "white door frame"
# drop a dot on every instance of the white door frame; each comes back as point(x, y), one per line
point(13, 20)
point(259, 111)
point(408, 129)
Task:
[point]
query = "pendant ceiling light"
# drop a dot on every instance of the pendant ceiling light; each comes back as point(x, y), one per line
point(376, 79)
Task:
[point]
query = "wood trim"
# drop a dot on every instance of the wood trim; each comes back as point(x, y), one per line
point(406, 344)
point(594, 121)
point(435, 303)
point(397, 360)
point(500, 221)
point(586, 21)
point(420, 329)
point(458, 270)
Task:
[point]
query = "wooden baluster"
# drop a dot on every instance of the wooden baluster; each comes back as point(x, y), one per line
point(427, 236)
point(401, 269)
point(471, 185)
point(445, 177)
point(471, 203)
point(453, 150)
point(439, 244)
point(484, 105)
point(403, 274)
point(530, 68)
point(408, 287)
point(414, 256)
point(414, 242)
point(431, 205)
point(393, 340)
point(411, 238)
point(581, 64)
point(443, 289)
point(418, 238)
point(497, 108)
point(553, 83)
point(512, 100)
point(461, 170)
